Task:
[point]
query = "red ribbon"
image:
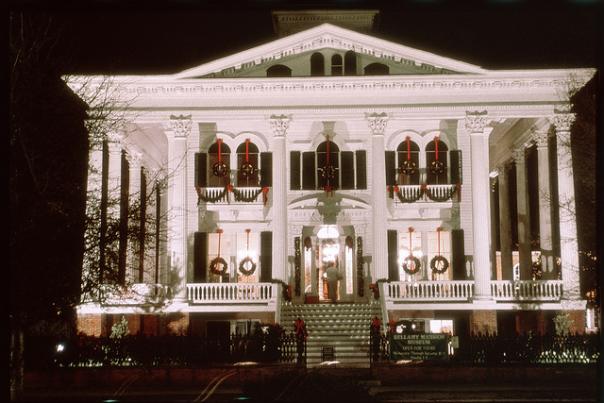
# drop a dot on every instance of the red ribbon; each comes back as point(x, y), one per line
point(264, 195)
point(408, 139)
point(219, 141)
point(247, 150)
point(247, 247)
point(436, 147)
point(438, 237)
point(328, 150)
point(219, 237)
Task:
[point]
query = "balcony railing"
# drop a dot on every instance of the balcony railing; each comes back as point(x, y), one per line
point(229, 293)
point(423, 193)
point(136, 294)
point(233, 195)
point(544, 290)
point(456, 290)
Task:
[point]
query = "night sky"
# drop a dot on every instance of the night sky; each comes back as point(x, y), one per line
point(125, 38)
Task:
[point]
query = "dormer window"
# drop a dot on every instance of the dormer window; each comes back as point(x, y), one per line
point(317, 65)
point(279, 70)
point(376, 69)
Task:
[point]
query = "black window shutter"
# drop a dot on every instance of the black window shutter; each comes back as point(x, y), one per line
point(456, 169)
point(458, 259)
point(201, 171)
point(266, 169)
point(390, 169)
point(266, 256)
point(361, 156)
point(200, 257)
point(294, 170)
point(347, 169)
point(308, 171)
point(392, 256)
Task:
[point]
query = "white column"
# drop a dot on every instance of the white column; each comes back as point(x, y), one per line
point(114, 175)
point(505, 224)
point(279, 125)
point(93, 202)
point(569, 249)
point(524, 222)
point(180, 128)
point(377, 125)
point(545, 198)
point(135, 158)
point(476, 124)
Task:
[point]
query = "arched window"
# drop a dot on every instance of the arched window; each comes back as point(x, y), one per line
point(247, 164)
point(407, 155)
point(279, 70)
point(436, 162)
point(317, 65)
point(377, 69)
point(336, 65)
point(219, 154)
point(350, 63)
point(328, 154)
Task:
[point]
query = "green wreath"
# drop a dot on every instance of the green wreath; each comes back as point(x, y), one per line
point(437, 167)
point(247, 266)
point(328, 172)
point(411, 269)
point(439, 264)
point(408, 167)
point(214, 266)
point(220, 169)
point(247, 170)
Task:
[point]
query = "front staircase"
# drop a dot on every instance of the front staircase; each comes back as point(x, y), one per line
point(342, 327)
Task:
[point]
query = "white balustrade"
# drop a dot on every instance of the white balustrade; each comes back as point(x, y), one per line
point(228, 293)
point(526, 290)
point(424, 193)
point(236, 195)
point(430, 290)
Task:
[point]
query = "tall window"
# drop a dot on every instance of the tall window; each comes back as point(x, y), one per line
point(317, 65)
point(377, 69)
point(328, 156)
point(218, 154)
point(247, 164)
point(410, 242)
point(336, 65)
point(248, 245)
point(227, 250)
point(436, 162)
point(407, 155)
point(279, 70)
point(442, 248)
point(350, 63)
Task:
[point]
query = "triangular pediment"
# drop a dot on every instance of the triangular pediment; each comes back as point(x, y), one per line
point(294, 51)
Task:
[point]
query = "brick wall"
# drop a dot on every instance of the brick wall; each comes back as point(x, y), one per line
point(483, 322)
point(90, 324)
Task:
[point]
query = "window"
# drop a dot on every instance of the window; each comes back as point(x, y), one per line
point(436, 162)
point(226, 251)
point(350, 63)
point(248, 246)
point(328, 156)
point(317, 65)
point(439, 243)
point(408, 168)
point(279, 70)
point(219, 153)
point(336, 65)
point(377, 69)
point(247, 164)
point(410, 241)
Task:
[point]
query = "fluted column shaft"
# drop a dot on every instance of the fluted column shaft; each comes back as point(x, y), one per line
point(505, 224)
point(545, 200)
point(134, 199)
point(377, 125)
point(180, 128)
point(524, 221)
point(569, 249)
point(476, 124)
point(279, 125)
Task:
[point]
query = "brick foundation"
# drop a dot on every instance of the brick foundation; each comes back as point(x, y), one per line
point(89, 324)
point(483, 322)
point(578, 318)
point(177, 323)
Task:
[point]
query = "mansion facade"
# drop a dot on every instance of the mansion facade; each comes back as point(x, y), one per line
point(406, 171)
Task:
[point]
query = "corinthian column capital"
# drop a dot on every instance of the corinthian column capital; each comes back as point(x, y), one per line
point(518, 155)
point(377, 122)
point(540, 137)
point(280, 124)
point(476, 121)
point(562, 120)
point(180, 125)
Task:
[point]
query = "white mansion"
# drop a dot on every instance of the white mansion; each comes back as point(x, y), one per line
point(405, 170)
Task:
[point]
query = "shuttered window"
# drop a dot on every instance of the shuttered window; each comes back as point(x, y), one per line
point(294, 170)
point(200, 257)
point(266, 169)
point(347, 169)
point(393, 273)
point(266, 256)
point(309, 171)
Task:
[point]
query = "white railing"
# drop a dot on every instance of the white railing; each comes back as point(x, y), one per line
point(231, 195)
point(430, 290)
point(527, 290)
point(136, 294)
point(424, 193)
point(229, 293)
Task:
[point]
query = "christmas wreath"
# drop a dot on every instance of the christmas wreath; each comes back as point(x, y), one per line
point(214, 264)
point(411, 264)
point(328, 172)
point(439, 264)
point(408, 167)
point(247, 266)
point(437, 167)
point(247, 170)
point(220, 169)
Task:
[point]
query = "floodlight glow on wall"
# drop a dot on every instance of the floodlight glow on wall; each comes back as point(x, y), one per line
point(328, 232)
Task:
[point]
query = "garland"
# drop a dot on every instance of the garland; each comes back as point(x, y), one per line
point(218, 260)
point(247, 266)
point(411, 264)
point(211, 199)
point(409, 199)
point(446, 196)
point(240, 196)
point(439, 264)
